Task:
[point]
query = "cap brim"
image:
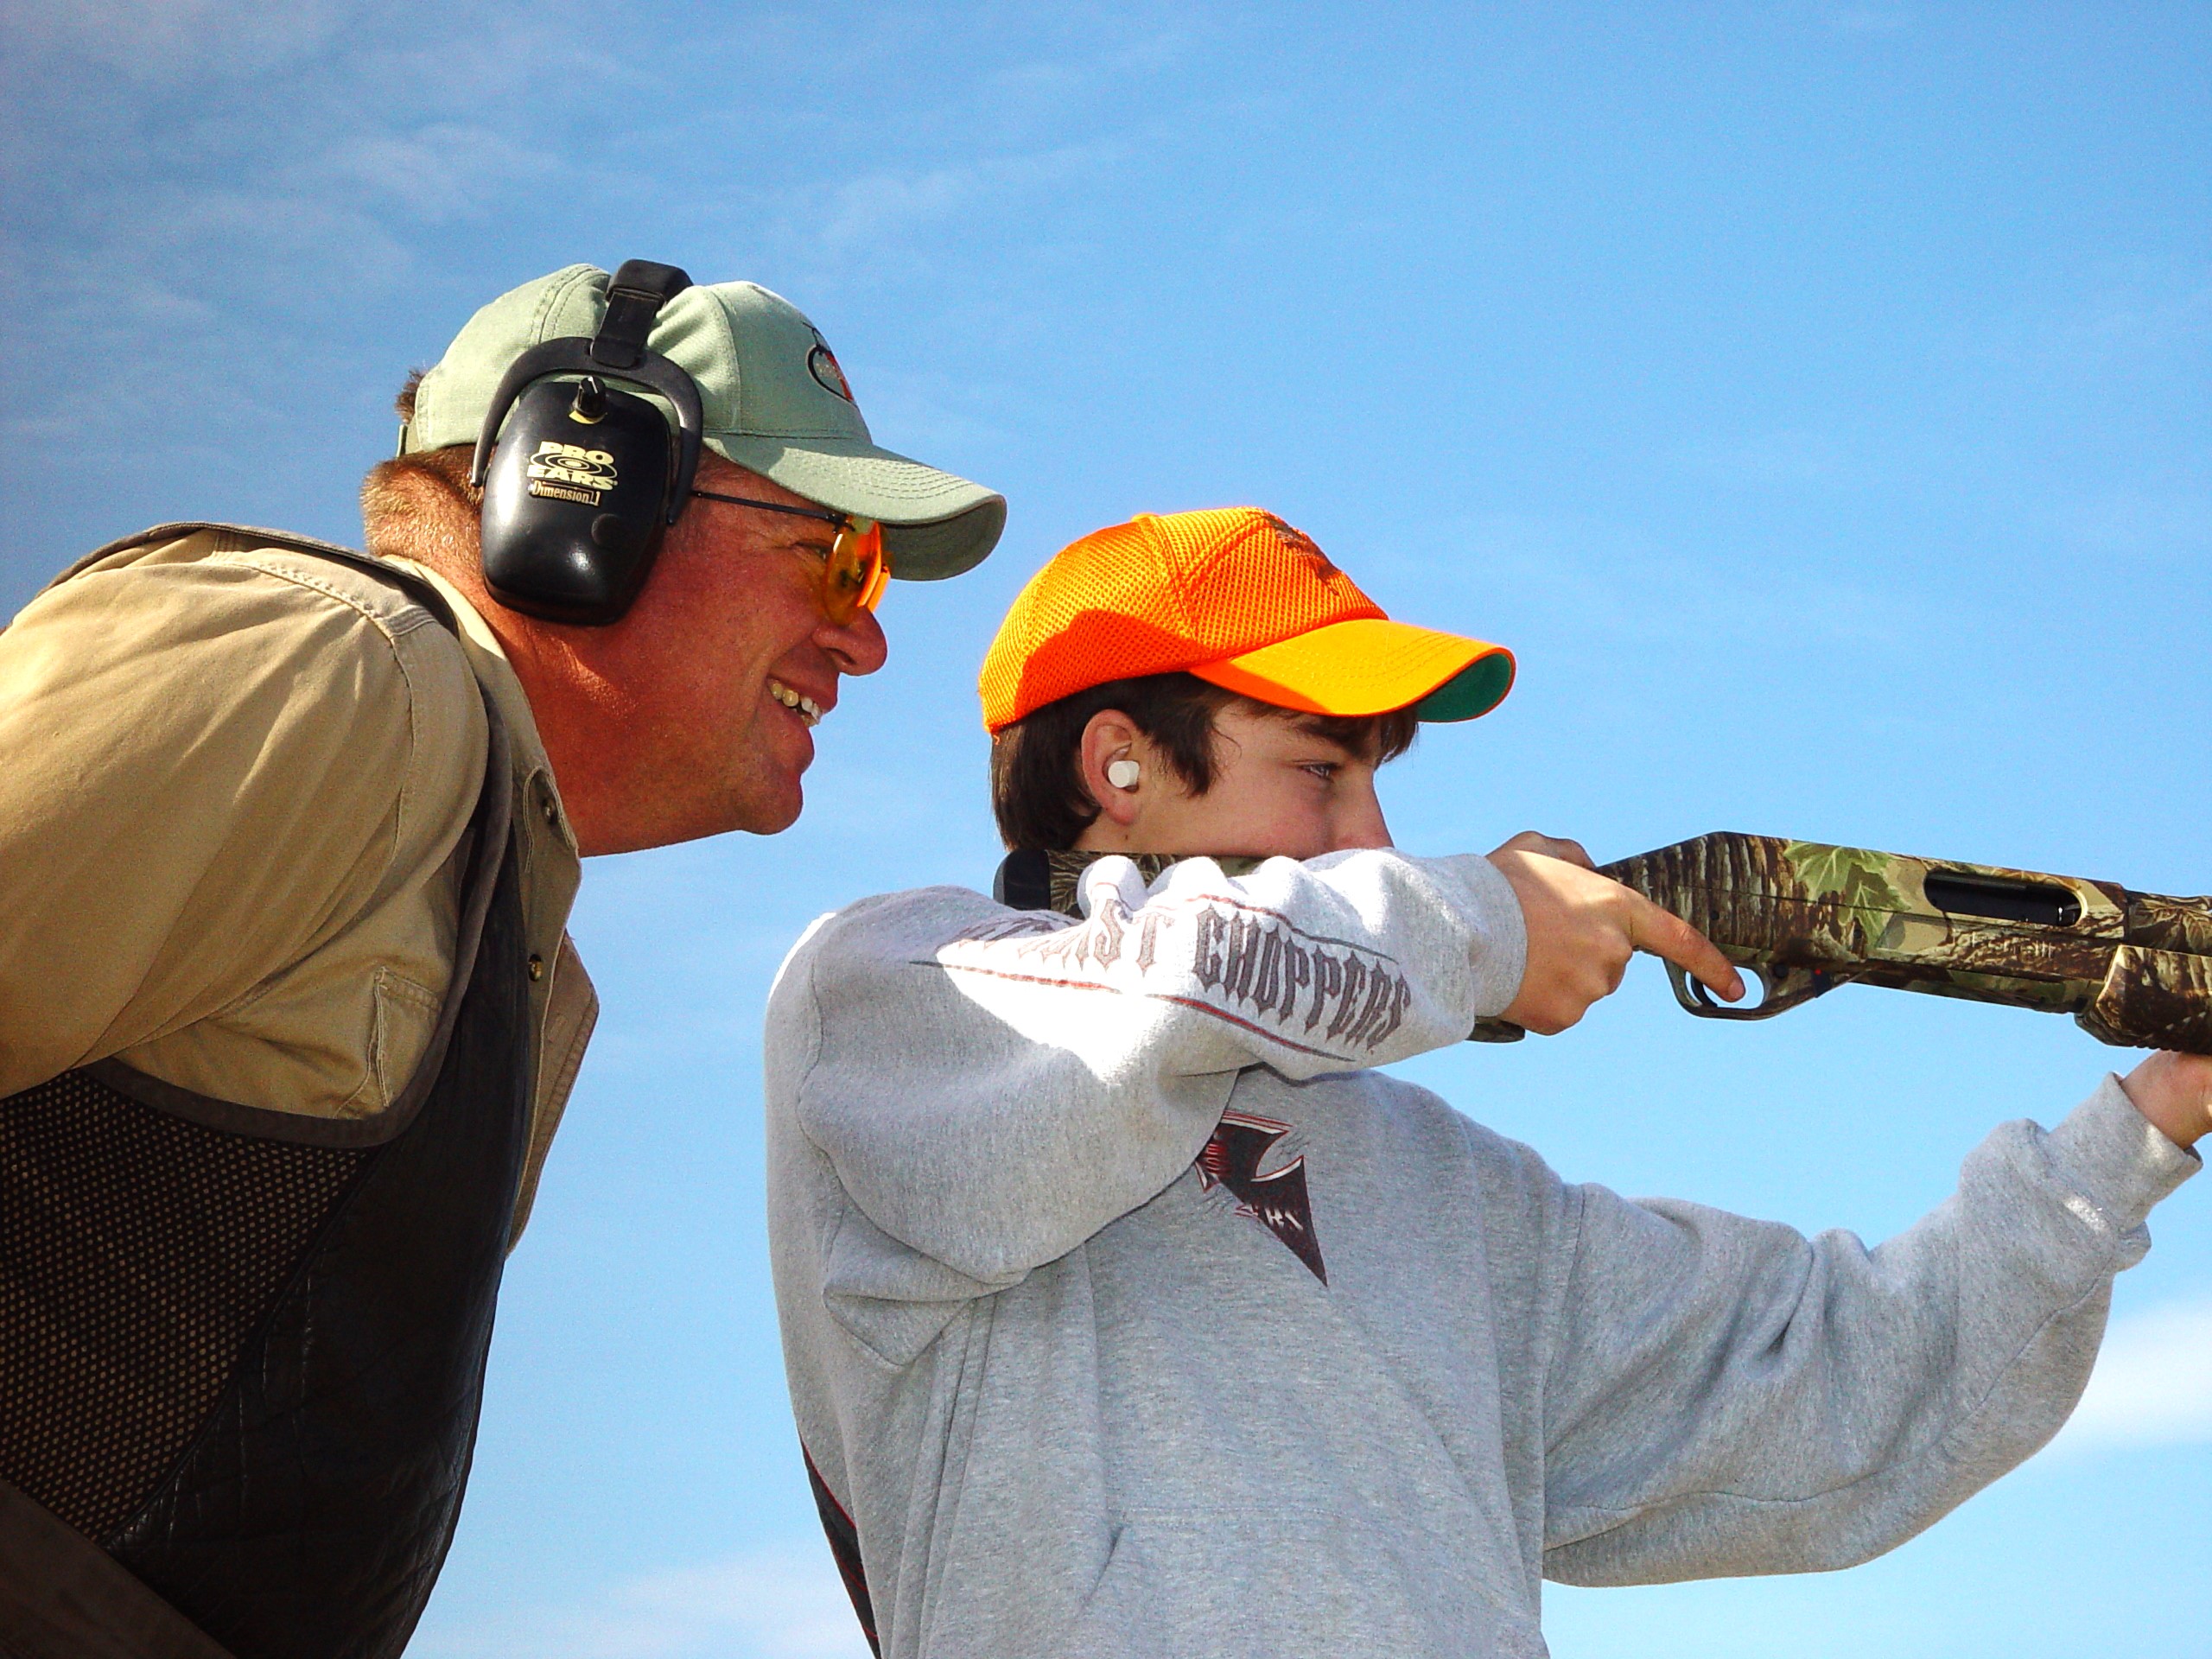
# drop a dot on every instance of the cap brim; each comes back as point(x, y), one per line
point(1369, 666)
point(935, 524)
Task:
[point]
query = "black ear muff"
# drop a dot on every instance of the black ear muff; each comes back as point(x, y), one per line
point(580, 478)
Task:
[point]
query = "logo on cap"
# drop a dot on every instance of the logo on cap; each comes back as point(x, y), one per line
point(822, 364)
point(1323, 567)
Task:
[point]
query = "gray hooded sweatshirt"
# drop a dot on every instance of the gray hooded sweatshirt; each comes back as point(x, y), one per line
point(1127, 1311)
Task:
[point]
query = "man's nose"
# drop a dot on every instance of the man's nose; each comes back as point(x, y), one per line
point(857, 646)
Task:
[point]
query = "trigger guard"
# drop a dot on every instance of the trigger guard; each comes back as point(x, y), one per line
point(1781, 990)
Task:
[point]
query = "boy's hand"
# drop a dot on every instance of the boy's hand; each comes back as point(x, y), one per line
point(1583, 927)
point(2175, 1092)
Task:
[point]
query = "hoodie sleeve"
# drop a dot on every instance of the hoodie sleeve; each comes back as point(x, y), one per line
point(992, 1087)
point(1726, 1396)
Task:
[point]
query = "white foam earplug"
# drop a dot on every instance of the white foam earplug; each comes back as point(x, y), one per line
point(1123, 775)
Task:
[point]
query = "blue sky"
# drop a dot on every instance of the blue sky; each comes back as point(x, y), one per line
point(1815, 395)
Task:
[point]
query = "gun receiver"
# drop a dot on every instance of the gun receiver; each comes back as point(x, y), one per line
point(2133, 969)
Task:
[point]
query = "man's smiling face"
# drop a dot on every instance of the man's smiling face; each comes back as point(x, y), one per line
point(767, 661)
point(718, 675)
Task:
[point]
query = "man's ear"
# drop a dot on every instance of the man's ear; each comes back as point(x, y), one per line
point(1111, 736)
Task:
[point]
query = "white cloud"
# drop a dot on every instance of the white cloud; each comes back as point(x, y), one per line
point(2149, 319)
point(168, 42)
point(443, 171)
point(783, 1602)
point(881, 207)
point(203, 243)
point(2130, 313)
point(2141, 523)
point(2153, 1384)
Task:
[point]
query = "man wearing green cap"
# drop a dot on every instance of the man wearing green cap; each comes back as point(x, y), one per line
point(288, 1011)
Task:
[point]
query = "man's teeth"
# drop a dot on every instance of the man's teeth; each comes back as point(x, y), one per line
point(805, 708)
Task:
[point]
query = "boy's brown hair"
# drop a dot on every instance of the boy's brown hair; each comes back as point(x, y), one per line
point(1038, 793)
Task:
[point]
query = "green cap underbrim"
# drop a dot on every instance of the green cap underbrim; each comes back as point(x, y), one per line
point(1475, 689)
point(935, 524)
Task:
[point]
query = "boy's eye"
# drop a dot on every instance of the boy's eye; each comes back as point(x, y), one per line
point(1325, 769)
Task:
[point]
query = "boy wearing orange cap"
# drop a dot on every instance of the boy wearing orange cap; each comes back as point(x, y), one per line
point(1128, 1310)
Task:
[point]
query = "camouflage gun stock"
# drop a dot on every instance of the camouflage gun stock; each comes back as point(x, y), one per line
point(2133, 969)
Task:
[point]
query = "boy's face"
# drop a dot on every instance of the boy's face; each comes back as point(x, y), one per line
point(1279, 790)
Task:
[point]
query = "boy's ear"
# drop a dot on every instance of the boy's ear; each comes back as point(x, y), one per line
point(1111, 736)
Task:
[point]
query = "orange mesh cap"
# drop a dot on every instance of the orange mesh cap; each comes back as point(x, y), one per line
point(1235, 596)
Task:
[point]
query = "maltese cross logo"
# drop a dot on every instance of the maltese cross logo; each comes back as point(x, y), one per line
point(1278, 1202)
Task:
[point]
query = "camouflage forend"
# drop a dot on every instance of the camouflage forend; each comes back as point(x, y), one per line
point(2136, 968)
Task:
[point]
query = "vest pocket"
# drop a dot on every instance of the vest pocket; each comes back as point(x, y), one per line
point(401, 1019)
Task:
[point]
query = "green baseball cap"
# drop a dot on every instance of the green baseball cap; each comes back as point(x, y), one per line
point(774, 400)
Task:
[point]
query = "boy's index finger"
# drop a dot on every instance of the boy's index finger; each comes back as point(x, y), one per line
point(1665, 934)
